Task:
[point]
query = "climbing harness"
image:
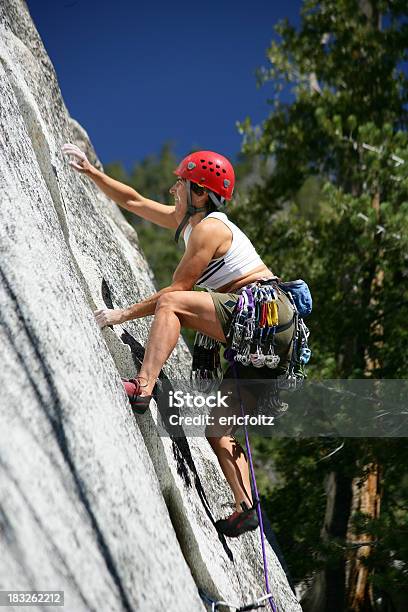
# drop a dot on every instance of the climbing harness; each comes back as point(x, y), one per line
point(252, 332)
point(255, 324)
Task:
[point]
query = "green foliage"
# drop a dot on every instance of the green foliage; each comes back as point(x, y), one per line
point(299, 496)
point(333, 210)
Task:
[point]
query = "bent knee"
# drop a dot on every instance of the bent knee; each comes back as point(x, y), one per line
point(167, 301)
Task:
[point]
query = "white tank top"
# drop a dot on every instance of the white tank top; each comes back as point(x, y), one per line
point(237, 261)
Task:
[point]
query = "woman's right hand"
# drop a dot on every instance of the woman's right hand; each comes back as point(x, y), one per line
point(80, 161)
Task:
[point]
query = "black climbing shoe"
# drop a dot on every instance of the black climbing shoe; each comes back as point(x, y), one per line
point(139, 403)
point(239, 522)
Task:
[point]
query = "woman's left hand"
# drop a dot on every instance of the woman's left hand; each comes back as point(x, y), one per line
point(108, 317)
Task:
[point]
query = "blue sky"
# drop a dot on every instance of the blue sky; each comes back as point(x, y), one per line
point(138, 74)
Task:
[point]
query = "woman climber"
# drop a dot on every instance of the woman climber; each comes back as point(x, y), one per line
point(219, 257)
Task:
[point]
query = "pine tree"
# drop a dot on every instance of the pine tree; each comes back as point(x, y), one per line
point(334, 211)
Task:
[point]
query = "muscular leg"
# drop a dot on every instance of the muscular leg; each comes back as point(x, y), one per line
point(192, 309)
point(234, 465)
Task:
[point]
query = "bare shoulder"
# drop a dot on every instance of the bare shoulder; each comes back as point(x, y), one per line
point(211, 229)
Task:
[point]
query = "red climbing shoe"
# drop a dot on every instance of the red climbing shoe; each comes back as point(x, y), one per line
point(138, 402)
point(239, 522)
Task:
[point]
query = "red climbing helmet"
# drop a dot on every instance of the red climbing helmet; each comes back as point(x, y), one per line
point(210, 170)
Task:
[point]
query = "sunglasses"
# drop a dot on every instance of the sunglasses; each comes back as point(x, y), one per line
point(198, 189)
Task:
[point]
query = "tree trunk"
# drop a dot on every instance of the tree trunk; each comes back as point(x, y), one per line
point(366, 491)
point(327, 592)
point(367, 500)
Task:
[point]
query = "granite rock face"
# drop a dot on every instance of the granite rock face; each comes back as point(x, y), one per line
point(92, 500)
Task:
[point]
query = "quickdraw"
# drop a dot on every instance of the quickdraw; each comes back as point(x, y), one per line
point(255, 324)
point(206, 370)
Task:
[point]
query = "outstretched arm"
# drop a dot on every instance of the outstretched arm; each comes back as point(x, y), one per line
point(124, 195)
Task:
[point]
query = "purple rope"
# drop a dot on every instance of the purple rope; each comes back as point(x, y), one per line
point(258, 503)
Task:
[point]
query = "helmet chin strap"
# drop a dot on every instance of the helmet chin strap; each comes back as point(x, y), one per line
point(191, 210)
point(219, 204)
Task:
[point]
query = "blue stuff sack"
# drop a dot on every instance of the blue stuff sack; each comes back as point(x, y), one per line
point(301, 295)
